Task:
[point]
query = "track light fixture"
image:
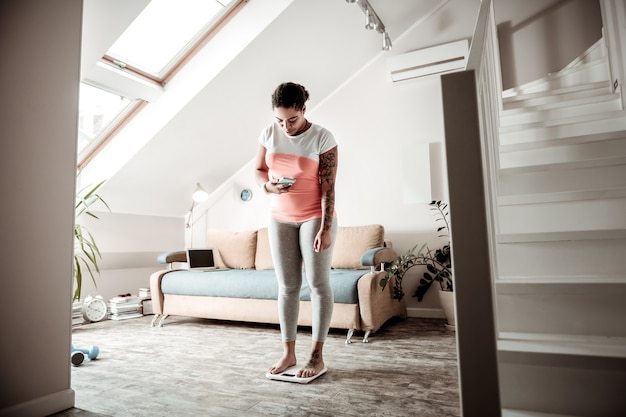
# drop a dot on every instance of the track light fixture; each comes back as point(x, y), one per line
point(369, 20)
point(373, 22)
point(386, 42)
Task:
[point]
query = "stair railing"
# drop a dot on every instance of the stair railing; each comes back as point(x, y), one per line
point(614, 32)
point(471, 106)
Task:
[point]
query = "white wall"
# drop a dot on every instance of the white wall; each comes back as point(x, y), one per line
point(129, 245)
point(384, 175)
point(535, 40)
point(37, 174)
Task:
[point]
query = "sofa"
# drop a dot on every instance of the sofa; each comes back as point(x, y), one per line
point(244, 286)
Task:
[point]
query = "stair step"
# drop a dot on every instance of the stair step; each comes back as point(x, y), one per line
point(557, 181)
point(611, 125)
point(592, 163)
point(562, 374)
point(562, 384)
point(507, 412)
point(560, 95)
point(579, 154)
point(604, 193)
point(587, 257)
point(543, 236)
point(563, 121)
point(600, 95)
point(552, 114)
point(563, 344)
point(561, 216)
point(584, 309)
point(524, 284)
point(590, 72)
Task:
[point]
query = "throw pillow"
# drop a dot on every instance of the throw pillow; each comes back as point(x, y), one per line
point(352, 242)
point(233, 250)
point(263, 258)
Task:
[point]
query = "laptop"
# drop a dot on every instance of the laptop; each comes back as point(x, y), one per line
point(201, 259)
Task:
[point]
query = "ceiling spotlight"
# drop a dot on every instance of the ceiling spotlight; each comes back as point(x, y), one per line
point(370, 22)
point(386, 42)
point(350, 1)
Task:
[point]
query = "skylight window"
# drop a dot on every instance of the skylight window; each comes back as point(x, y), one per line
point(99, 112)
point(164, 32)
point(155, 45)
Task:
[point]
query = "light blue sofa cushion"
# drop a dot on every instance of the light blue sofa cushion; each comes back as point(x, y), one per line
point(258, 284)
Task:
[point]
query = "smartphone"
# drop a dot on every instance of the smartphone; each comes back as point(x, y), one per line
point(286, 180)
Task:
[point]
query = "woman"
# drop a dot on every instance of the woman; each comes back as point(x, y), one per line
point(302, 227)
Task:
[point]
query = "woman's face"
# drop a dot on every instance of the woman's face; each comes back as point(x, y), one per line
point(290, 120)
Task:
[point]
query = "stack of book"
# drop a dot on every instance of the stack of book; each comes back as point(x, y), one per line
point(124, 306)
point(77, 313)
point(146, 301)
point(144, 293)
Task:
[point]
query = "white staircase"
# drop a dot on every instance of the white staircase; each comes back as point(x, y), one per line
point(561, 284)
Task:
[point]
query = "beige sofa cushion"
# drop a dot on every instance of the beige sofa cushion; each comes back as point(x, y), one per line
point(352, 242)
point(263, 258)
point(233, 250)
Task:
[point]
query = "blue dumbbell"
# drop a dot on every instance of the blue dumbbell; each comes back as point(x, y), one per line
point(92, 352)
point(77, 358)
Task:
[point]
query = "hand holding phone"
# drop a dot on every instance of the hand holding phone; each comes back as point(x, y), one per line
point(286, 180)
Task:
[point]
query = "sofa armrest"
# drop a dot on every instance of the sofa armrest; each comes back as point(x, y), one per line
point(170, 257)
point(377, 256)
point(377, 305)
point(155, 290)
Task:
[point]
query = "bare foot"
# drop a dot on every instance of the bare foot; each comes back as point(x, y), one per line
point(314, 366)
point(287, 361)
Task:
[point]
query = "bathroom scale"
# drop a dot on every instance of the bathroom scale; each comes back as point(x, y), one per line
point(289, 375)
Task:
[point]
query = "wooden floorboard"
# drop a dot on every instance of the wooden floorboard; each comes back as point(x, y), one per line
point(196, 367)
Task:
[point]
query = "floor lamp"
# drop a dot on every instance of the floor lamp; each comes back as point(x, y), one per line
point(199, 195)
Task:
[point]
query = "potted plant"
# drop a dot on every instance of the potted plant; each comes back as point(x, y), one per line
point(438, 263)
point(86, 252)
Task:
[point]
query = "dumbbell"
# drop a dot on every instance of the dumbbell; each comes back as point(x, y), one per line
point(91, 352)
point(77, 358)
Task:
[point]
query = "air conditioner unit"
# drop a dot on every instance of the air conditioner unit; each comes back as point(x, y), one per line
point(436, 60)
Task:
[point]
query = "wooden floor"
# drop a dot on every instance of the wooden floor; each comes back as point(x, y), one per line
point(194, 367)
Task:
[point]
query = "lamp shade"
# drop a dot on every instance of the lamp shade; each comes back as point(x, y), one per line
point(199, 194)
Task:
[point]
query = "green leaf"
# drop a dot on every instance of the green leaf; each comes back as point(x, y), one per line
point(86, 251)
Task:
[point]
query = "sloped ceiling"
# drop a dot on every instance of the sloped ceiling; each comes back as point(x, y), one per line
point(320, 44)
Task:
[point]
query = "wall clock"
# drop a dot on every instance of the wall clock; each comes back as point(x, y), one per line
point(246, 195)
point(94, 308)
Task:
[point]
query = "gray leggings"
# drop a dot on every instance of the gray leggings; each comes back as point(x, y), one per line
point(291, 245)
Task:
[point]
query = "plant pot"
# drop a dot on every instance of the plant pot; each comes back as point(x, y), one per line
point(446, 299)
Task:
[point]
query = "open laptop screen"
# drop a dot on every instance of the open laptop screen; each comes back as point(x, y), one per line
point(200, 259)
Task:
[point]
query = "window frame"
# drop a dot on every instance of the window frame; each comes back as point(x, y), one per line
point(103, 139)
point(196, 44)
point(179, 61)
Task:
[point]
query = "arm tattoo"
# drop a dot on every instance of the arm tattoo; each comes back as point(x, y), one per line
point(327, 174)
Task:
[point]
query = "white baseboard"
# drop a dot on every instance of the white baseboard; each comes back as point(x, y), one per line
point(42, 406)
point(429, 313)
